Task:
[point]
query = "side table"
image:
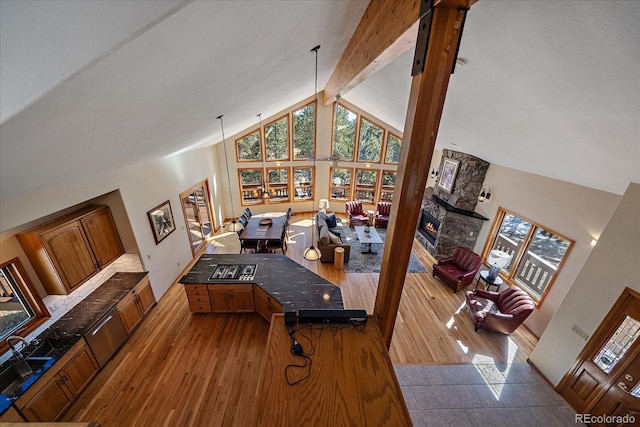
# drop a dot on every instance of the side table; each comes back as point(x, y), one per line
point(484, 276)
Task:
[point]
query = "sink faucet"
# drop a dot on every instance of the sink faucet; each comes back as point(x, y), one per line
point(16, 352)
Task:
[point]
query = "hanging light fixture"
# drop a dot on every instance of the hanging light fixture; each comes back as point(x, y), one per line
point(312, 253)
point(234, 226)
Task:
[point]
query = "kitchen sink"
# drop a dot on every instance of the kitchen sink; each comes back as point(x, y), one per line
point(19, 372)
point(49, 347)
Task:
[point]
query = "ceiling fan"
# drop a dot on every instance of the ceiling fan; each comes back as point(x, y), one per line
point(333, 158)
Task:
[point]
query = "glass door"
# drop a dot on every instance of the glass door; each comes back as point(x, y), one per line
point(197, 214)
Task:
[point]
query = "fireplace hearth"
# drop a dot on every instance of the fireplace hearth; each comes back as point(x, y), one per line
point(429, 227)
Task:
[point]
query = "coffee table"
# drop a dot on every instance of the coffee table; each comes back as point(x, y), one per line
point(484, 276)
point(368, 238)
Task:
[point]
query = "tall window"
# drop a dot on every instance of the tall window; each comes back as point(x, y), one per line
point(370, 145)
point(250, 186)
point(278, 185)
point(345, 134)
point(276, 136)
point(537, 253)
point(197, 213)
point(388, 185)
point(366, 180)
point(21, 309)
point(303, 183)
point(394, 144)
point(340, 184)
point(304, 132)
point(248, 147)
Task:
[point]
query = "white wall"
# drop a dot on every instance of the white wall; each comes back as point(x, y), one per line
point(142, 187)
point(612, 265)
point(577, 212)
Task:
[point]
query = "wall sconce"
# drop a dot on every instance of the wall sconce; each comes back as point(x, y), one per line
point(485, 194)
point(594, 242)
point(434, 173)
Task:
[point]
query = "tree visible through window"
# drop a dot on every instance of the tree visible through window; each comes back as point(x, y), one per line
point(304, 132)
point(251, 186)
point(537, 253)
point(340, 183)
point(248, 147)
point(366, 180)
point(277, 139)
point(345, 133)
point(370, 141)
point(394, 144)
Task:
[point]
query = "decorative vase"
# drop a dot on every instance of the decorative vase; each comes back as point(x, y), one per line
point(493, 273)
point(366, 228)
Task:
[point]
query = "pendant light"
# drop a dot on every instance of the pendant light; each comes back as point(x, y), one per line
point(312, 253)
point(234, 226)
point(263, 189)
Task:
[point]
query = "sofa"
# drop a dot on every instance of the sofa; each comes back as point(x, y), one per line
point(459, 269)
point(326, 246)
point(355, 213)
point(501, 312)
point(383, 210)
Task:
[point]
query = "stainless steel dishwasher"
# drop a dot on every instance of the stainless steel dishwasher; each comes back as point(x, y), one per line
point(106, 336)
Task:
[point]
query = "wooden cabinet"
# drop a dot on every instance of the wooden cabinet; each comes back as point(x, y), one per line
point(136, 304)
point(11, 415)
point(67, 251)
point(265, 304)
point(198, 298)
point(231, 298)
point(55, 391)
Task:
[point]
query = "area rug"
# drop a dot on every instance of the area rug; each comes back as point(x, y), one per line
point(369, 263)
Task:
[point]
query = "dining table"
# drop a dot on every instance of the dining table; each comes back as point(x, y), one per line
point(266, 228)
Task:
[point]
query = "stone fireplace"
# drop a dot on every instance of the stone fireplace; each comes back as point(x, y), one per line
point(447, 219)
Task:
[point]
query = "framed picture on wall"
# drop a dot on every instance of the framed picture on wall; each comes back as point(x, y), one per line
point(448, 175)
point(161, 219)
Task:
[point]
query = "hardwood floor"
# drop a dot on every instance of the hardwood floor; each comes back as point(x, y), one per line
point(197, 370)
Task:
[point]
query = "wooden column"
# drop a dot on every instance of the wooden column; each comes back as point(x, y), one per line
point(426, 101)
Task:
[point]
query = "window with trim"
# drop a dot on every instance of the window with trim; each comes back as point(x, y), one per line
point(276, 137)
point(537, 253)
point(394, 144)
point(21, 308)
point(345, 133)
point(278, 185)
point(303, 183)
point(248, 147)
point(304, 132)
point(370, 147)
point(388, 185)
point(340, 185)
point(250, 186)
point(366, 180)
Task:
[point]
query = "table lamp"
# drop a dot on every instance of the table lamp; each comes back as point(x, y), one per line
point(323, 205)
point(497, 260)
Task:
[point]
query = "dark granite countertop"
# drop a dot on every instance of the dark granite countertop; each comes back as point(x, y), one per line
point(69, 329)
point(291, 284)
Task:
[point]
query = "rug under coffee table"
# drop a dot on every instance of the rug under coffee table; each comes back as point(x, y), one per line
point(368, 238)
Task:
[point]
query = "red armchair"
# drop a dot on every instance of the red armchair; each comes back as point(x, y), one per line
point(501, 312)
point(458, 270)
point(383, 210)
point(355, 213)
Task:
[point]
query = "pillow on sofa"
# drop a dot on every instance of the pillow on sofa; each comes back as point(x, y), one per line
point(322, 216)
point(321, 222)
point(335, 234)
point(324, 235)
point(331, 220)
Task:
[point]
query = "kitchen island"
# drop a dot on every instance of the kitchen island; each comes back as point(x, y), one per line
point(292, 286)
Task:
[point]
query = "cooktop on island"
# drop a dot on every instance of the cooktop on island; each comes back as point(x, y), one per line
point(233, 272)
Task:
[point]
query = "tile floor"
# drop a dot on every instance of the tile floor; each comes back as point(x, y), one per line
point(481, 395)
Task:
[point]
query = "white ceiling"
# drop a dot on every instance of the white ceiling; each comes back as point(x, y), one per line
point(551, 88)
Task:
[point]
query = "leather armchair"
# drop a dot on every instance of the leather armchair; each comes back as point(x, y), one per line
point(383, 210)
point(355, 213)
point(501, 312)
point(458, 270)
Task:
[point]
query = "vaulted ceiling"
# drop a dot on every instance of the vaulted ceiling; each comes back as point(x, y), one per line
point(550, 88)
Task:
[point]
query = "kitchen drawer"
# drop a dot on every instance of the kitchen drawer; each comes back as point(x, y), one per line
point(190, 288)
point(200, 308)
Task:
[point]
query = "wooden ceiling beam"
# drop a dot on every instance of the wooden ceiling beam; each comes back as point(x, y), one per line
point(387, 30)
